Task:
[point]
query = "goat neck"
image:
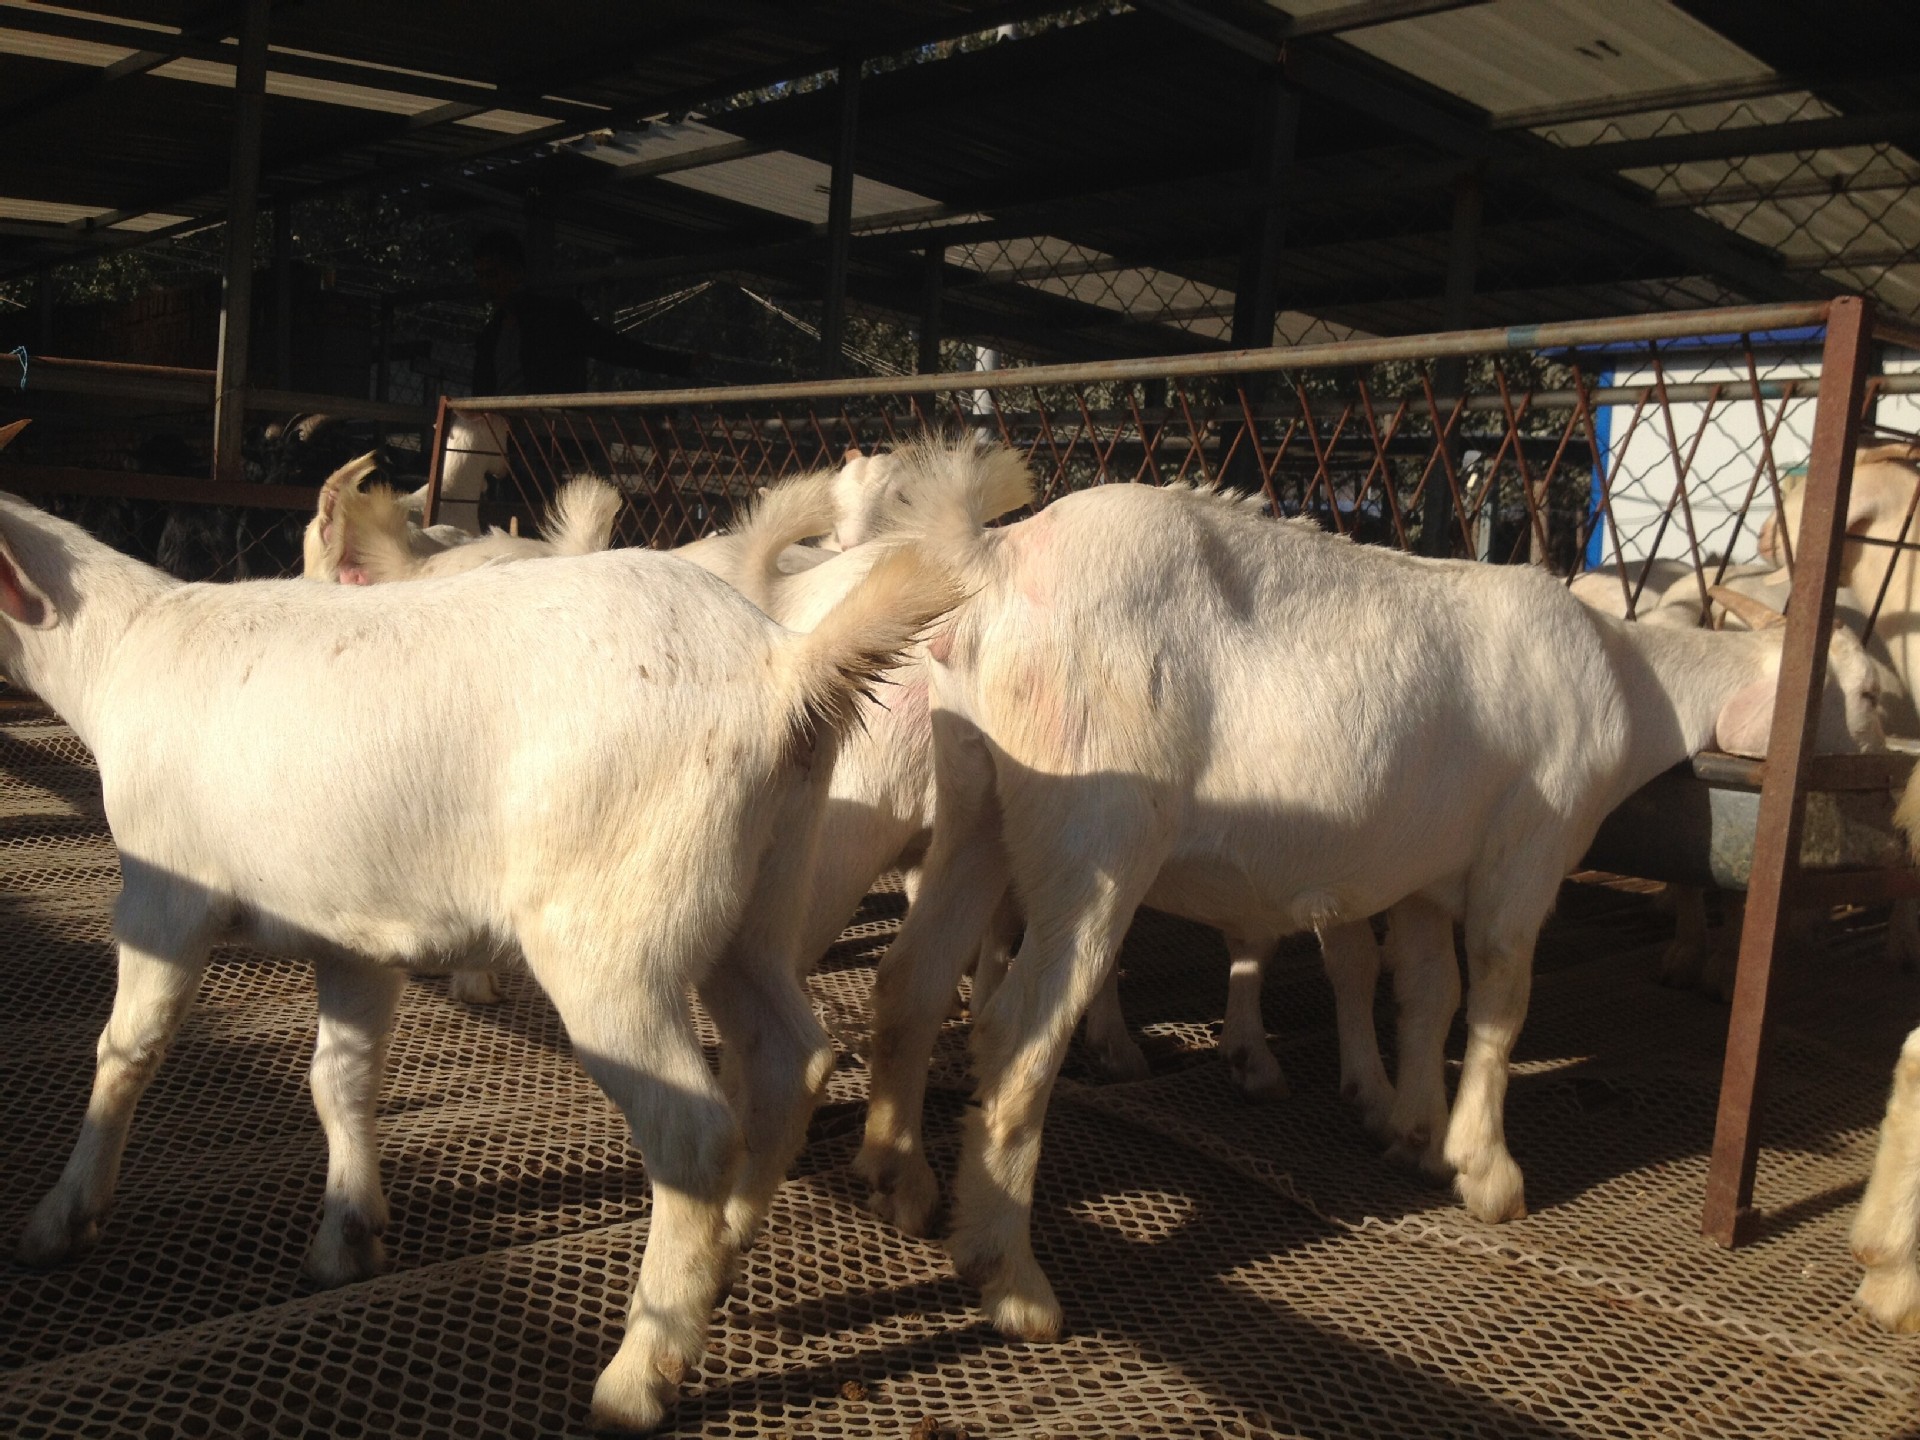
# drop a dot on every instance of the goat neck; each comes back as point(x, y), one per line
point(94, 593)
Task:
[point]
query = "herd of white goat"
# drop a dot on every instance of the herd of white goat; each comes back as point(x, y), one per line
point(648, 776)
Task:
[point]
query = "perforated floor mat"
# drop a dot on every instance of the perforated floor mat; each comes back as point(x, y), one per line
point(1228, 1269)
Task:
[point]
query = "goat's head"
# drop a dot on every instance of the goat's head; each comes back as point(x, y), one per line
point(1884, 477)
point(1850, 720)
point(323, 547)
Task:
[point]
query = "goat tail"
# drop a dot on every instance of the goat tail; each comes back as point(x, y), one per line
point(1906, 814)
point(783, 515)
point(830, 669)
point(580, 519)
point(946, 494)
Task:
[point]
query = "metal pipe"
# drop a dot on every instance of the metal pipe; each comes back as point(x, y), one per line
point(833, 320)
point(243, 189)
point(436, 463)
point(1691, 324)
point(932, 288)
point(1728, 1215)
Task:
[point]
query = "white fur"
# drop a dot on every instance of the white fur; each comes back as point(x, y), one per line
point(1161, 696)
point(612, 763)
point(1886, 1230)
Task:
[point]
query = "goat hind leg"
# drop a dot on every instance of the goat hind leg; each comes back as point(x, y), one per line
point(627, 1014)
point(357, 1001)
point(1500, 975)
point(775, 1063)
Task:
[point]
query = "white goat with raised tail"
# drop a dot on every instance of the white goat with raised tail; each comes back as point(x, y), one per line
point(1161, 696)
point(613, 762)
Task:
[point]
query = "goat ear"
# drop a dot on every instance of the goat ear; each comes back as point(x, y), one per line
point(21, 600)
point(7, 432)
point(1745, 722)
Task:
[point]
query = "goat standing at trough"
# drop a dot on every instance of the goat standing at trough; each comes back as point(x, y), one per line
point(1161, 696)
point(358, 777)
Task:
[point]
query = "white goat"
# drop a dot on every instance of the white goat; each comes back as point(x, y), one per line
point(614, 763)
point(1160, 696)
point(476, 452)
point(363, 537)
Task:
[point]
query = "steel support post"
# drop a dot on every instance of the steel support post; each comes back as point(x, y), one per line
point(833, 320)
point(1844, 362)
point(1450, 373)
point(243, 194)
point(933, 284)
point(1256, 298)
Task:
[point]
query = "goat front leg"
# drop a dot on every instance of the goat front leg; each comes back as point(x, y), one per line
point(475, 987)
point(1243, 1035)
point(357, 1001)
point(1018, 1044)
point(1352, 960)
point(161, 960)
point(1684, 962)
point(1886, 1232)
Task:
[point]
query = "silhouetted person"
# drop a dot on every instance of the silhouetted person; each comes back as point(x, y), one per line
point(536, 344)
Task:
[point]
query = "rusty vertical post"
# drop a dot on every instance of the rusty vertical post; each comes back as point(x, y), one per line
point(1796, 706)
point(1450, 374)
point(436, 466)
point(833, 319)
point(933, 286)
point(243, 194)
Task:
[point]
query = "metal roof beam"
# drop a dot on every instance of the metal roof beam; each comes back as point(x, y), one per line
point(985, 18)
point(1700, 242)
point(1792, 136)
point(205, 44)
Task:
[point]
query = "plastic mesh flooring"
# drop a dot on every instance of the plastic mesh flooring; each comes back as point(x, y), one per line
point(1227, 1269)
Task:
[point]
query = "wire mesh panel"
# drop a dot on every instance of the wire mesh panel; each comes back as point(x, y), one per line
point(1643, 444)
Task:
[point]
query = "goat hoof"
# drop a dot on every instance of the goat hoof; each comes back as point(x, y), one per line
point(57, 1232)
point(475, 987)
point(1496, 1193)
point(902, 1190)
point(1892, 1297)
point(635, 1392)
point(1121, 1061)
point(1257, 1074)
point(345, 1251)
point(1014, 1291)
point(1416, 1153)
